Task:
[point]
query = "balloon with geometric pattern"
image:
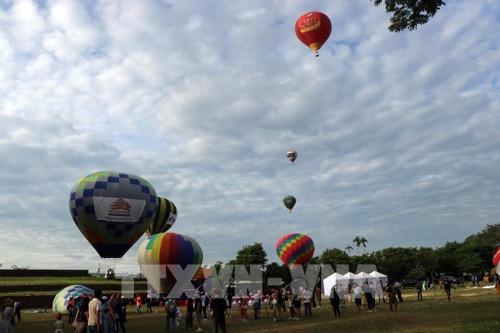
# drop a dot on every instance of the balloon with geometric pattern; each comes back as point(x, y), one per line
point(112, 210)
point(60, 302)
point(295, 249)
point(166, 215)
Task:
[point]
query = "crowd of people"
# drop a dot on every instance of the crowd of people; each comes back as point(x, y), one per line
point(108, 314)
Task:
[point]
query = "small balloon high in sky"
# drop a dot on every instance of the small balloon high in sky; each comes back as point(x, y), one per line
point(291, 155)
point(313, 29)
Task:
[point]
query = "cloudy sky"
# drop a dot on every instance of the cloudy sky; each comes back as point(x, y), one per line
point(397, 134)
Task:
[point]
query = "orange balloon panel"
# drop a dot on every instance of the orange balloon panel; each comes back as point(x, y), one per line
point(313, 29)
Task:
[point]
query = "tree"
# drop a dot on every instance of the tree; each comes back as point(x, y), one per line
point(357, 241)
point(251, 255)
point(348, 248)
point(408, 14)
point(363, 242)
point(333, 257)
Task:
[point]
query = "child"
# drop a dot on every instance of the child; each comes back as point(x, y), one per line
point(59, 324)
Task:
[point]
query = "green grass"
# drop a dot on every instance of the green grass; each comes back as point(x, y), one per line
point(48, 281)
point(471, 310)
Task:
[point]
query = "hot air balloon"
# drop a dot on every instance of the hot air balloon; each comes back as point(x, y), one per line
point(112, 210)
point(289, 201)
point(313, 29)
point(60, 302)
point(291, 155)
point(163, 249)
point(166, 215)
point(295, 249)
point(496, 257)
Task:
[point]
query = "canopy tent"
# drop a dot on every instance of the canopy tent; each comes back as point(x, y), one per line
point(342, 281)
point(330, 281)
point(380, 276)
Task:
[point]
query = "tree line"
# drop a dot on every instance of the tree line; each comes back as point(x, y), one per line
point(472, 256)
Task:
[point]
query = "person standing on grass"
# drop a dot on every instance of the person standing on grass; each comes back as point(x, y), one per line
point(189, 314)
point(335, 301)
point(8, 316)
point(138, 304)
point(17, 310)
point(59, 324)
point(198, 312)
point(392, 295)
point(171, 310)
point(358, 294)
point(94, 314)
point(447, 284)
point(306, 299)
point(218, 309)
point(419, 290)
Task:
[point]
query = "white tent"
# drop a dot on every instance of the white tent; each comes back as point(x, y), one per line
point(329, 282)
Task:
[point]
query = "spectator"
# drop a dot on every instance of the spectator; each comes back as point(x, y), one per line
point(59, 324)
point(94, 314)
point(218, 309)
point(17, 310)
point(8, 316)
point(138, 304)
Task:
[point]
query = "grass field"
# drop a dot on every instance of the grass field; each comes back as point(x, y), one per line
point(470, 310)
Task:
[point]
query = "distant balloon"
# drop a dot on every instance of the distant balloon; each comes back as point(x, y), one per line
point(60, 302)
point(166, 215)
point(313, 29)
point(163, 249)
point(112, 210)
point(289, 201)
point(496, 257)
point(295, 249)
point(291, 155)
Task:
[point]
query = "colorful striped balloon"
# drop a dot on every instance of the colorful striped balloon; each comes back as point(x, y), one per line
point(295, 249)
point(163, 249)
point(166, 215)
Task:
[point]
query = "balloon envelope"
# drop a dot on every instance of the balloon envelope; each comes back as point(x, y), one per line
point(112, 210)
point(60, 302)
point(291, 155)
point(295, 249)
point(289, 201)
point(169, 248)
point(166, 215)
point(496, 257)
point(313, 29)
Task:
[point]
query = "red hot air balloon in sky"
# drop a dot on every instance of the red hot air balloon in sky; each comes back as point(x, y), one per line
point(313, 29)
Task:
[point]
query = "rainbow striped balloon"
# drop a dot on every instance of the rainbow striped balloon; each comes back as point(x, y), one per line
point(161, 250)
point(295, 249)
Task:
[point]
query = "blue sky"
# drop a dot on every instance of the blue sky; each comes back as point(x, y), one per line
point(397, 134)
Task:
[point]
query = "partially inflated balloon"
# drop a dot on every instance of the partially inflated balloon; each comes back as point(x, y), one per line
point(295, 249)
point(161, 250)
point(60, 302)
point(166, 215)
point(291, 155)
point(289, 201)
point(313, 29)
point(112, 210)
